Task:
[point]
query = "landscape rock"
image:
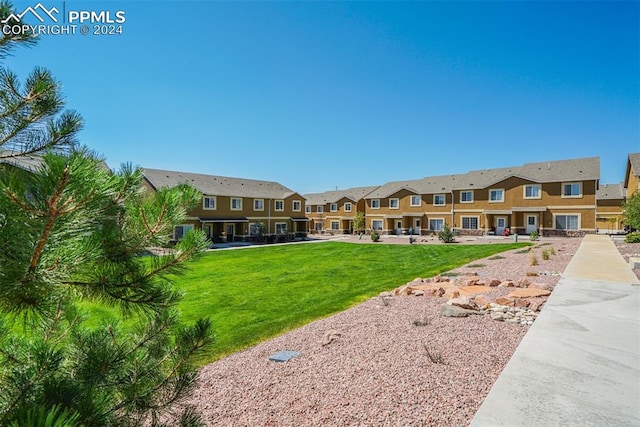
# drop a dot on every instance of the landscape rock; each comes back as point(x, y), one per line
point(523, 283)
point(506, 284)
point(452, 292)
point(504, 301)
point(455, 311)
point(529, 293)
point(482, 301)
point(417, 292)
point(494, 282)
point(463, 302)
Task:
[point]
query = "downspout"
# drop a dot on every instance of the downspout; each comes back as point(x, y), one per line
point(453, 210)
point(269, 218)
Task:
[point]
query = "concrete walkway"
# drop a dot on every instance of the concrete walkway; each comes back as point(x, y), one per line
point(579, 364)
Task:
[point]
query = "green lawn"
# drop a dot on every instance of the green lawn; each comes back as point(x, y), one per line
point(254, 294)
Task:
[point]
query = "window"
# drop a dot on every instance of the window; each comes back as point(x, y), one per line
point(439, 200)
point(256, 228)
point(436, 224)
point(279, 205)
point(376, 224)
point(318, 226)
point(180, 230)
point(347, 207)
point(375, 203)
point(416, 200)
point(335, 225)
point(320, 209)
point(470, 222)
point(567, 222)
point(281, 228)
point(394, 203)
point(307, 209)
point(236, 204)
point(333, 207)
point(466, 196)
point(532, 191)
point(209, 203)
point(258, 204)
point(571, 189)
point(496, 195)
point(297, 206)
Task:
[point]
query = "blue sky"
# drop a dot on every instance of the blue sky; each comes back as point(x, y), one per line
point(325, 95)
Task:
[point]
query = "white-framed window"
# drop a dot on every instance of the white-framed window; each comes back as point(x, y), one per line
point(439, 200)
point(254, 228)
point(466, 196)
point(258, 204)
point(347, 206)
point(333, 207)
point(470, 222)
point(320, 209)
point(307, 209)
point(532, 191)
point(416, 200)
point(318, 226)
point(567, 222)
point(335, 225)
point(236, 204)
point(297, 205)
point(281, 228)
point(376, 224)
point(375, 203)
point(279, 205)
point(572, 189)
point(436, 224)
point(180, 230)
point(394, 203)
point(496, 195)
point(209, 203)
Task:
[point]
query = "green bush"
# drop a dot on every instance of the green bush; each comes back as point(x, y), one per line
point(632, 238)
point(534, 235)
point(375, 236)
point(446, 234)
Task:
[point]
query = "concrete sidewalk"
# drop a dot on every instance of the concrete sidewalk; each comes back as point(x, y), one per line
point(579, 364)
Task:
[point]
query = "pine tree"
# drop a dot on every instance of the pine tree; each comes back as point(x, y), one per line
point(72, 232)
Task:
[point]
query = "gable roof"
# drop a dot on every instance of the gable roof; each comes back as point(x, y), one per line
point(213, 185)
point(354, 194)
point(30, 163)
point(610, 192)
point(553, 171)
point(633, 163)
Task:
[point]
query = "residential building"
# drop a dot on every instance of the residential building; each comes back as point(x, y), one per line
point(334, 211)
point(411, 207)
point(632, 174)
point(554, 198)
point(609, 213)
point(232, 209)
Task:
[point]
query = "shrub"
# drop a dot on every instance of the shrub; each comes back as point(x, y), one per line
point(534, 235)
point(632, 238)
point(434, 355)
point(375, 236)
point(533, 259)
point(446, 234)
point(546, 254)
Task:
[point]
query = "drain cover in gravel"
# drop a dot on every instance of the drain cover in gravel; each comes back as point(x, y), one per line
point(283, 356)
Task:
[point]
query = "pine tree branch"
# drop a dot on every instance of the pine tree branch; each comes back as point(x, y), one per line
point(53, 216)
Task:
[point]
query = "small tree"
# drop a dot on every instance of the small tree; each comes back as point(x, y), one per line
point(632, 211)
point(446, 234)
point(71, 233)
point(358, 223)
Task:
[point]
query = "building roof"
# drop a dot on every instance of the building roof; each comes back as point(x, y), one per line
point(554, 171)
point(633, 164)
point(27, 162)
point(610, 192)
point(213, 185)
point(354, 194)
